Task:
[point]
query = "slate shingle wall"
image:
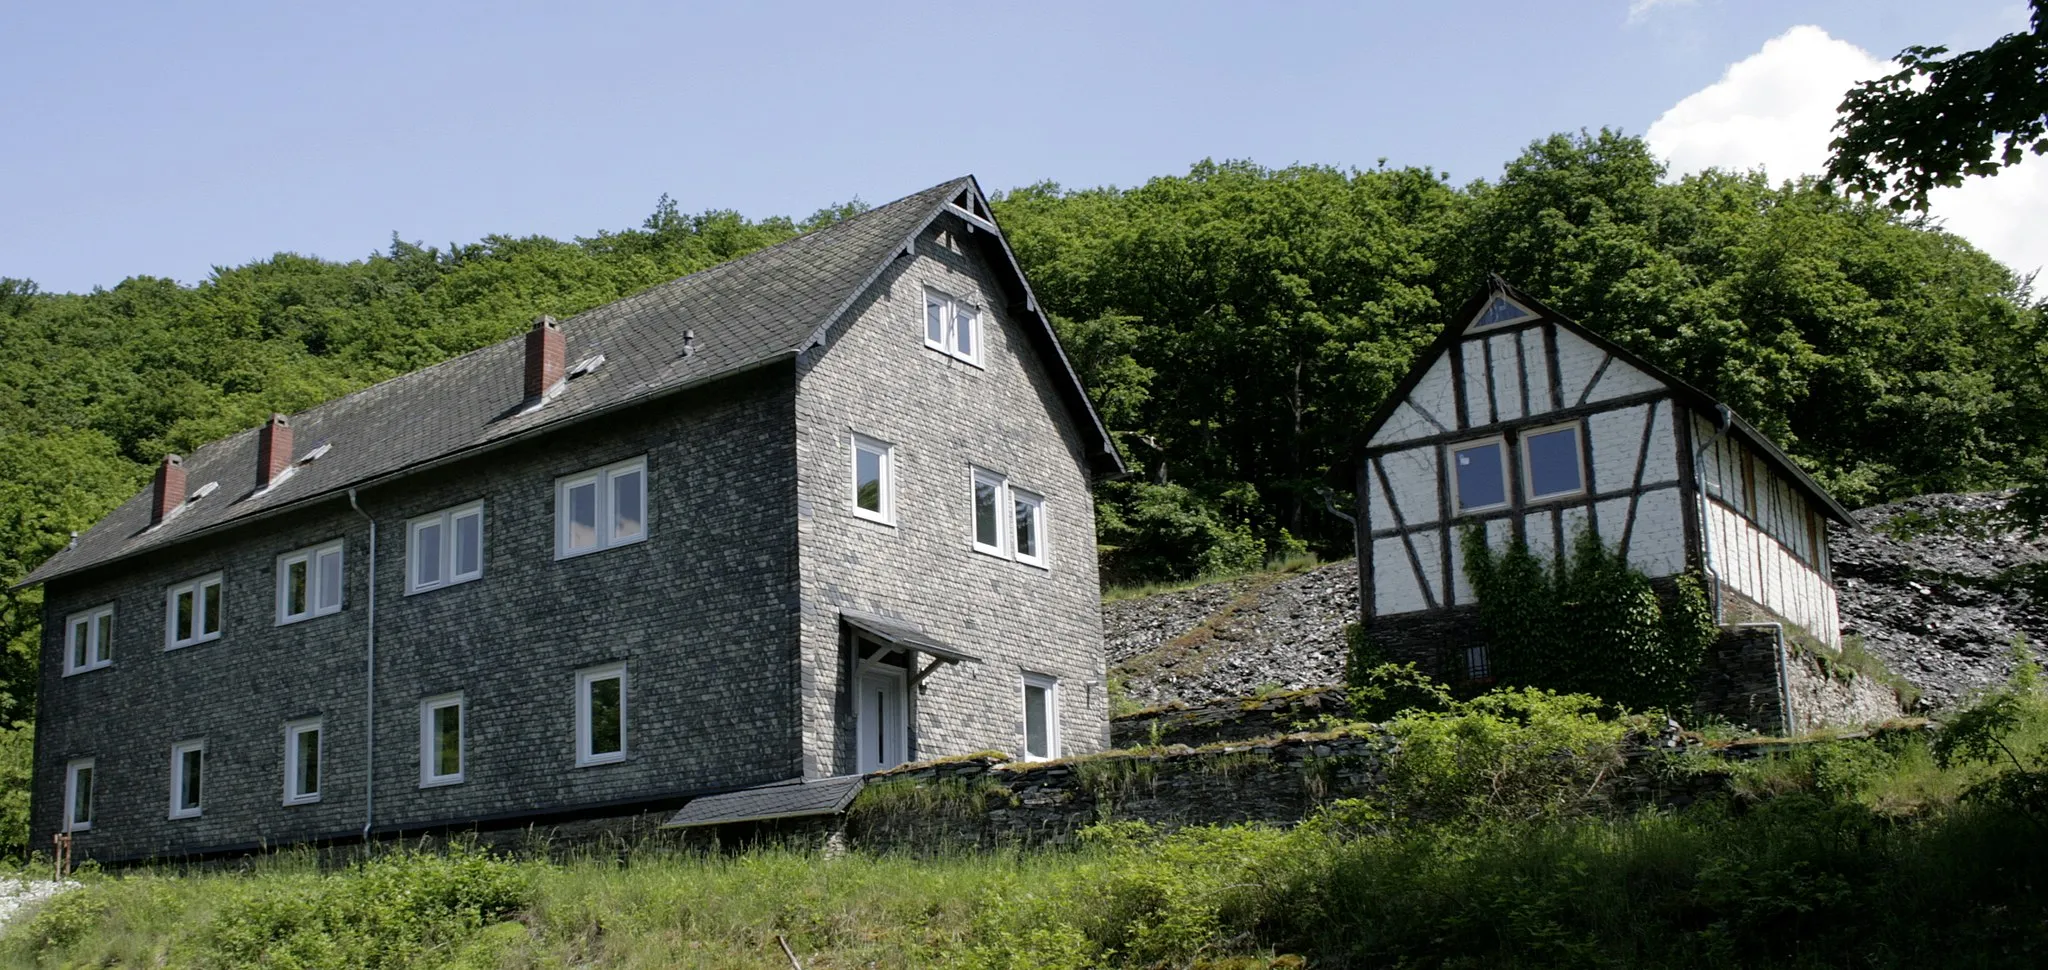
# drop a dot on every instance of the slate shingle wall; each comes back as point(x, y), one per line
point(876, 377)
point(703, 614)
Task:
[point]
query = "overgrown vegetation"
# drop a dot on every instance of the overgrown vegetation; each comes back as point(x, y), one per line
point(1587, 623)
point(1896, 852)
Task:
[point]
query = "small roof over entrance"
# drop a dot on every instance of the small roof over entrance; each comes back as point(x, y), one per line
point(902, 633)
point(796, 798)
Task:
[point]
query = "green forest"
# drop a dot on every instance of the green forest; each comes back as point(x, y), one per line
point(1235, 325)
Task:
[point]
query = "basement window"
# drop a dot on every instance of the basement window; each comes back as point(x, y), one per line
point(78, 795)
point(1479, 475)
point(309, 583)
point(445, 548)
point(89, 640)
point(601, 715)
point(302, 762)
point(187, 760)
point(441, 741)
point(192, 612)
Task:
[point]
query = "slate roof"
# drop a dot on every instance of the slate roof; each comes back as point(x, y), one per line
point(750, 312)
point(1691, 396)
point(787, 799)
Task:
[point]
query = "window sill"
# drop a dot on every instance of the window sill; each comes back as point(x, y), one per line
point(177, 645)
point(944, 352)
point(866, 516)
point(441, 782)
point(416, 590)
point(175, 816)
point(75, 671)
point(992, 553)
point(77, 827)
point(303, 800)
point(1557, 497)
point(289, 620)
point(579, 553)
point(1035, 563)
point(601, 760)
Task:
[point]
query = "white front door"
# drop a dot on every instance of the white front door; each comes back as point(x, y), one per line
point(882, 738)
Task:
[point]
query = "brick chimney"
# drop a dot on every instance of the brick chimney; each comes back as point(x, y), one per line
point(273, 450)
point(170, 489)
point(545, 357)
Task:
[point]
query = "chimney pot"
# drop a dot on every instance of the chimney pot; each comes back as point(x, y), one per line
point(273, 450)
point(546, 355)
point(170, 489)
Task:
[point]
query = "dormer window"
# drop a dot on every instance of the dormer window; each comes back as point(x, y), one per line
point(952, 326)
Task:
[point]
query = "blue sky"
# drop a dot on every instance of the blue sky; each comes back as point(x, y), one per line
point(143, 139)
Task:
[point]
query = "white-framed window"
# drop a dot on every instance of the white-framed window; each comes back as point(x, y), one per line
point(187, 761)
point(601, 508)
point(1479, 475)
point(309, 583)
point(1008, 521)
point(89, 640)
point(1041, 717)
point(1553, 461)
point(441, 740)
point(302, 751)
point(601, 715)
point(1027, 520)
point(192, 612)
point(952, 326)
point(78, 795)
point(444, 548)
point(874, 479)
point(989, 528)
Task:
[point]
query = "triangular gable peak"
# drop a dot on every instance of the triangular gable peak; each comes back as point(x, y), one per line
point(1510, 360)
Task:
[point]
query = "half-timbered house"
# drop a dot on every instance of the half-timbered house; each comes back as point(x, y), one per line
point(1524, 423)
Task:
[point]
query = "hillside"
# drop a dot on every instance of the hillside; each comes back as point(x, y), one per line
point(1935, 586)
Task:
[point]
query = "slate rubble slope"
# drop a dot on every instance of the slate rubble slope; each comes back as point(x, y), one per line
point(1938, 602)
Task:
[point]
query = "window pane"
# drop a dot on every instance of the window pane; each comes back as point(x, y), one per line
point(628, 516)
point(934, 319)
point(295, 588)
point(469, 544)
point(448, 740)
point(81, 643)
point(1480, 482)
point(965, 322)
point(426, 554)
point(1027, 528)
point(209, 608)
point(188, 779)
point(1035, 718)
point(102, 638)
point(81, 795)
point(308, 780)
point(1554, 462)
point(868, 478)
point(181, 613)
point(606, 733)
point(330, 580)
point(985, 514)
point(583, 515)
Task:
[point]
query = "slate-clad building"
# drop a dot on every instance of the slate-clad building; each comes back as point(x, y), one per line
point(815, 511)
point(1523, 423)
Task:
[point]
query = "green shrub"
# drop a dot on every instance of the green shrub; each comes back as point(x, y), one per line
point(17, 760)
point(1521, 754)
point(1588, 623)
point(1388, 690)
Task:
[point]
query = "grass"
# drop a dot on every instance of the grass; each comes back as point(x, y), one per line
point(1276, 570)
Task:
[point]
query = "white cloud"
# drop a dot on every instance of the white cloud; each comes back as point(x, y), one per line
point(1640, 9)
point(1775, 110)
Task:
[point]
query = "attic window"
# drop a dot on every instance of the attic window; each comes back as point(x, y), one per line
point(586, 365)
point(317, 453)
point(203, 491)
point(1501, 311)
